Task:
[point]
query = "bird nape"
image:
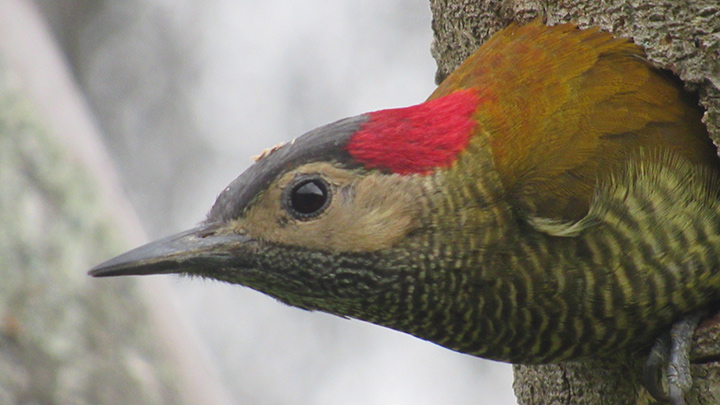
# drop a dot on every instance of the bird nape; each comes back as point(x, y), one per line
point(554, 199)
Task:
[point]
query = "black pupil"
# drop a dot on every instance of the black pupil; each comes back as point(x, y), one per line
point(309, 197)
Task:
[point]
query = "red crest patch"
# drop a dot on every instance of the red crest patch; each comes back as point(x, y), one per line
point(416, 139)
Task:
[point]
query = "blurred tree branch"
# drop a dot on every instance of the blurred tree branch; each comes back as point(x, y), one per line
point(65, 338)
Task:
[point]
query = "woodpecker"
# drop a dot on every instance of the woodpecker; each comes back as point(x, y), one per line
point(555, 199)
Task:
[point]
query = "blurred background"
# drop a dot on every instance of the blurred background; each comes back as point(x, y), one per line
point(184, 92)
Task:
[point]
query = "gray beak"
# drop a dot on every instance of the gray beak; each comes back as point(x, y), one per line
point(200, 250)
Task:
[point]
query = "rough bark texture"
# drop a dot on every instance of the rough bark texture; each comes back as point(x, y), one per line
point(682, 36)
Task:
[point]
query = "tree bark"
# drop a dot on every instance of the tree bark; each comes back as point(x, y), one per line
point(683, 37)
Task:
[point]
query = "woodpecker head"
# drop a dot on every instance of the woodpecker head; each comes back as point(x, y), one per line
point(345, 219)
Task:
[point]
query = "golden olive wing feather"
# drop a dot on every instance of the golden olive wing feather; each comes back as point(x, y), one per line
point(568, 107)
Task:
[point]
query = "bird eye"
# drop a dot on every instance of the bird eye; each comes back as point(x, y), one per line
point(308, 198)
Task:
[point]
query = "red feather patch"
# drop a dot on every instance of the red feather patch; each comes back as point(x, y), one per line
point(416, 139)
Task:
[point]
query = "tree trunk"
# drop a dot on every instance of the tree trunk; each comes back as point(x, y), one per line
point(683, 37)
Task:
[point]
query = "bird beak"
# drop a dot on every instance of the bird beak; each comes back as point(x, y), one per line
point(196, 251)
